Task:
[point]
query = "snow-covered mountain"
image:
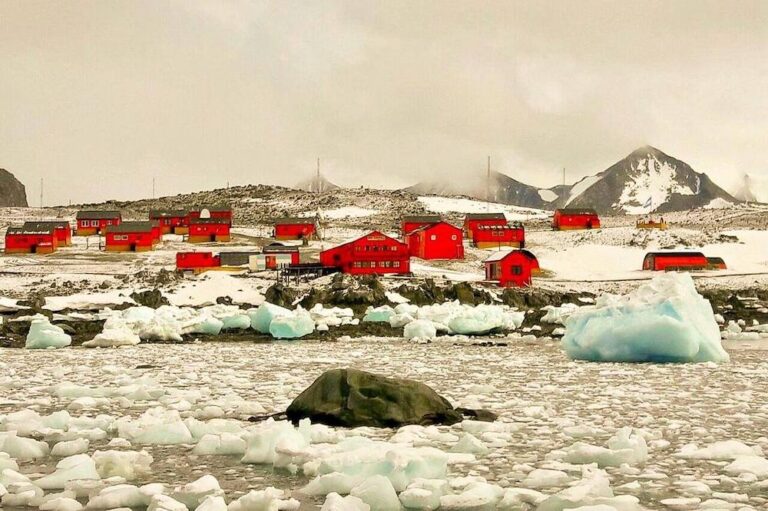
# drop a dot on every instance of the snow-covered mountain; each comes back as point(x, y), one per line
point(753, 188)
point(647, 180)
point(499, 188)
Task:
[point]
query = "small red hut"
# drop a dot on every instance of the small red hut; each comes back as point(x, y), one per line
point(436, 241)
point(511, 268)
point(277, 253)
point(61, 229)
point(197, 261)
point(205, 230)
point(24, 240)
point(295, 228)
point(171, 221)
point(91, 222)
point(132, 237)
point(572, 219)
point(409, 224)
point(374, 253)
point(672, 261)
point(219, 212)
point(497, 236)
point(474, 220)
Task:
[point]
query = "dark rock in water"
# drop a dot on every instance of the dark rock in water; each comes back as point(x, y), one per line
point(353, 398)
point(478, 415)
point(150, 298)
point(12, 192)
point(224, 300)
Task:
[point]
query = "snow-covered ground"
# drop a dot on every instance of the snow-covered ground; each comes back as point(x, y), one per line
point(696, 438)
point(438, 204)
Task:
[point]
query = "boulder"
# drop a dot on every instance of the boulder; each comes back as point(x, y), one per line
point(353, 398)
point(12, 192)
point(152, 298)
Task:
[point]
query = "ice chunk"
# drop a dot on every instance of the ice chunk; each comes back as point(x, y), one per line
point(292, 326)
point(665, 320)
point(155, 426)
point(558, 315)
point(70, 448)
point(379, 314)
point(420, 329)
point(377, 491)
point(400, 320)
point(335, 482)
point(193, 494)
point(79, 466)
point(61, 504)
point(116, 332)
point(224, 444)
point(424, 494)
point(207, 325)
point(470, 444)
point(161, 502)
point(129, 465)
point(623, 448)
point(270, 499)
point(726, 450)
point(212, 503)
point(335, 502)
point(124, 495)
point(6, 461)
point(756, 465)
point(22, 448)
point(545, 478)
point(262, 317)
point(42, 334)
point(477, 495)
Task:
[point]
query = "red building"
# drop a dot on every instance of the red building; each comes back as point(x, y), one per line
point(24, 240)
point(276, 254)
point(171, 221)
point(132, 237)
point(497, 236)
point(572, 219)
point(374, 253)
point(205, 230)
point(475, 220)
point(213, 212)
point(671, 261)
point(436, 241)
point(409, 224)
point(512, 268)
point(197, 261)
point(293, 228)
point(61, 229)
point(95, 222)
point(716, 263)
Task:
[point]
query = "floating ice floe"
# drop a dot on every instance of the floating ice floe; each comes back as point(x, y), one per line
point(42, 334)
point(298, 323)
point(665, 320)
point(623, 448)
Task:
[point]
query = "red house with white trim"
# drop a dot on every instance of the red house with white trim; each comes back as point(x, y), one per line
point(92, 222)
point(498, 236)
point(29, 240)
point(61, 229)
point(171, 221)
point(374, 253)
point(511, 268)
point(573, 219)
point(410, 223)
point(209, 230)
point(436, 241)
point(132, 237)
point(474, 220)
point(295, 228)
point(277, 253)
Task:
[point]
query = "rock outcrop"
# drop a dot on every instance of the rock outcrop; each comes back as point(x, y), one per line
point(354, 398)
point(12, 191)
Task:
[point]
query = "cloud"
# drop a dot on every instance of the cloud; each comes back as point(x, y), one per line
point(100, 97)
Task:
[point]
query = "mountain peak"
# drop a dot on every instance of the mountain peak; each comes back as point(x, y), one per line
point(647, 150)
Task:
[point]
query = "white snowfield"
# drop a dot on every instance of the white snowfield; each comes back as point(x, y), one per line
point(89, 428)
point(437, 204)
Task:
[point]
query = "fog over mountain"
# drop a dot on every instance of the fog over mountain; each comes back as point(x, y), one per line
point(101, 97)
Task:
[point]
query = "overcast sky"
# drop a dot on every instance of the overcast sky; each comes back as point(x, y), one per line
point(99, 96)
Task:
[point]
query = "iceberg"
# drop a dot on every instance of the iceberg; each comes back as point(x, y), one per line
point(666, 320)
point(116, 332)
point(297, 324)
point(261, 318)
point(420, 329)
point(378, 314)
point(42, 334)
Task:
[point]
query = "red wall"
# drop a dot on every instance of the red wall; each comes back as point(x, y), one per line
point(141, 239)
point(499, 235)
point(470, 225)
point(373, 253)
point(662, 261)
point(575, 221)
point(27, 241)
point(191, 260)
point(294, 231)
point(439, 241)
point(208, 229)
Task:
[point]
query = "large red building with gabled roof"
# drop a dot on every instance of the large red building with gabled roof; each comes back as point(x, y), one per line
point(30, 240)
point(209, 230)
point(90, 222)
point(374, 253)
point(436, 241)
point(412, 222)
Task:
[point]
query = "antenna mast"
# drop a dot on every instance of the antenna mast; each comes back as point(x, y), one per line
point(488, 181)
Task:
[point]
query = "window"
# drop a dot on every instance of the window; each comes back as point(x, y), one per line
point(433, 237)
point(517, 270)
point(395, 264)
point(454, 237)
point(94, 223)
point(357, 264)
point(109, 222)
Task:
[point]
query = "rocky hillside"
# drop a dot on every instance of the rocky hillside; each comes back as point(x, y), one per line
point(12, 191)
point(647, 180)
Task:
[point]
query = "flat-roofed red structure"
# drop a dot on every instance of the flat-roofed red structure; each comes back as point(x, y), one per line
point(27, 240)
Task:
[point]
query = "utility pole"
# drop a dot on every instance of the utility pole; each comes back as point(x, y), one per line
point(41, 198)
point(317, 177)
point(563, 176)
point(488, 181)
